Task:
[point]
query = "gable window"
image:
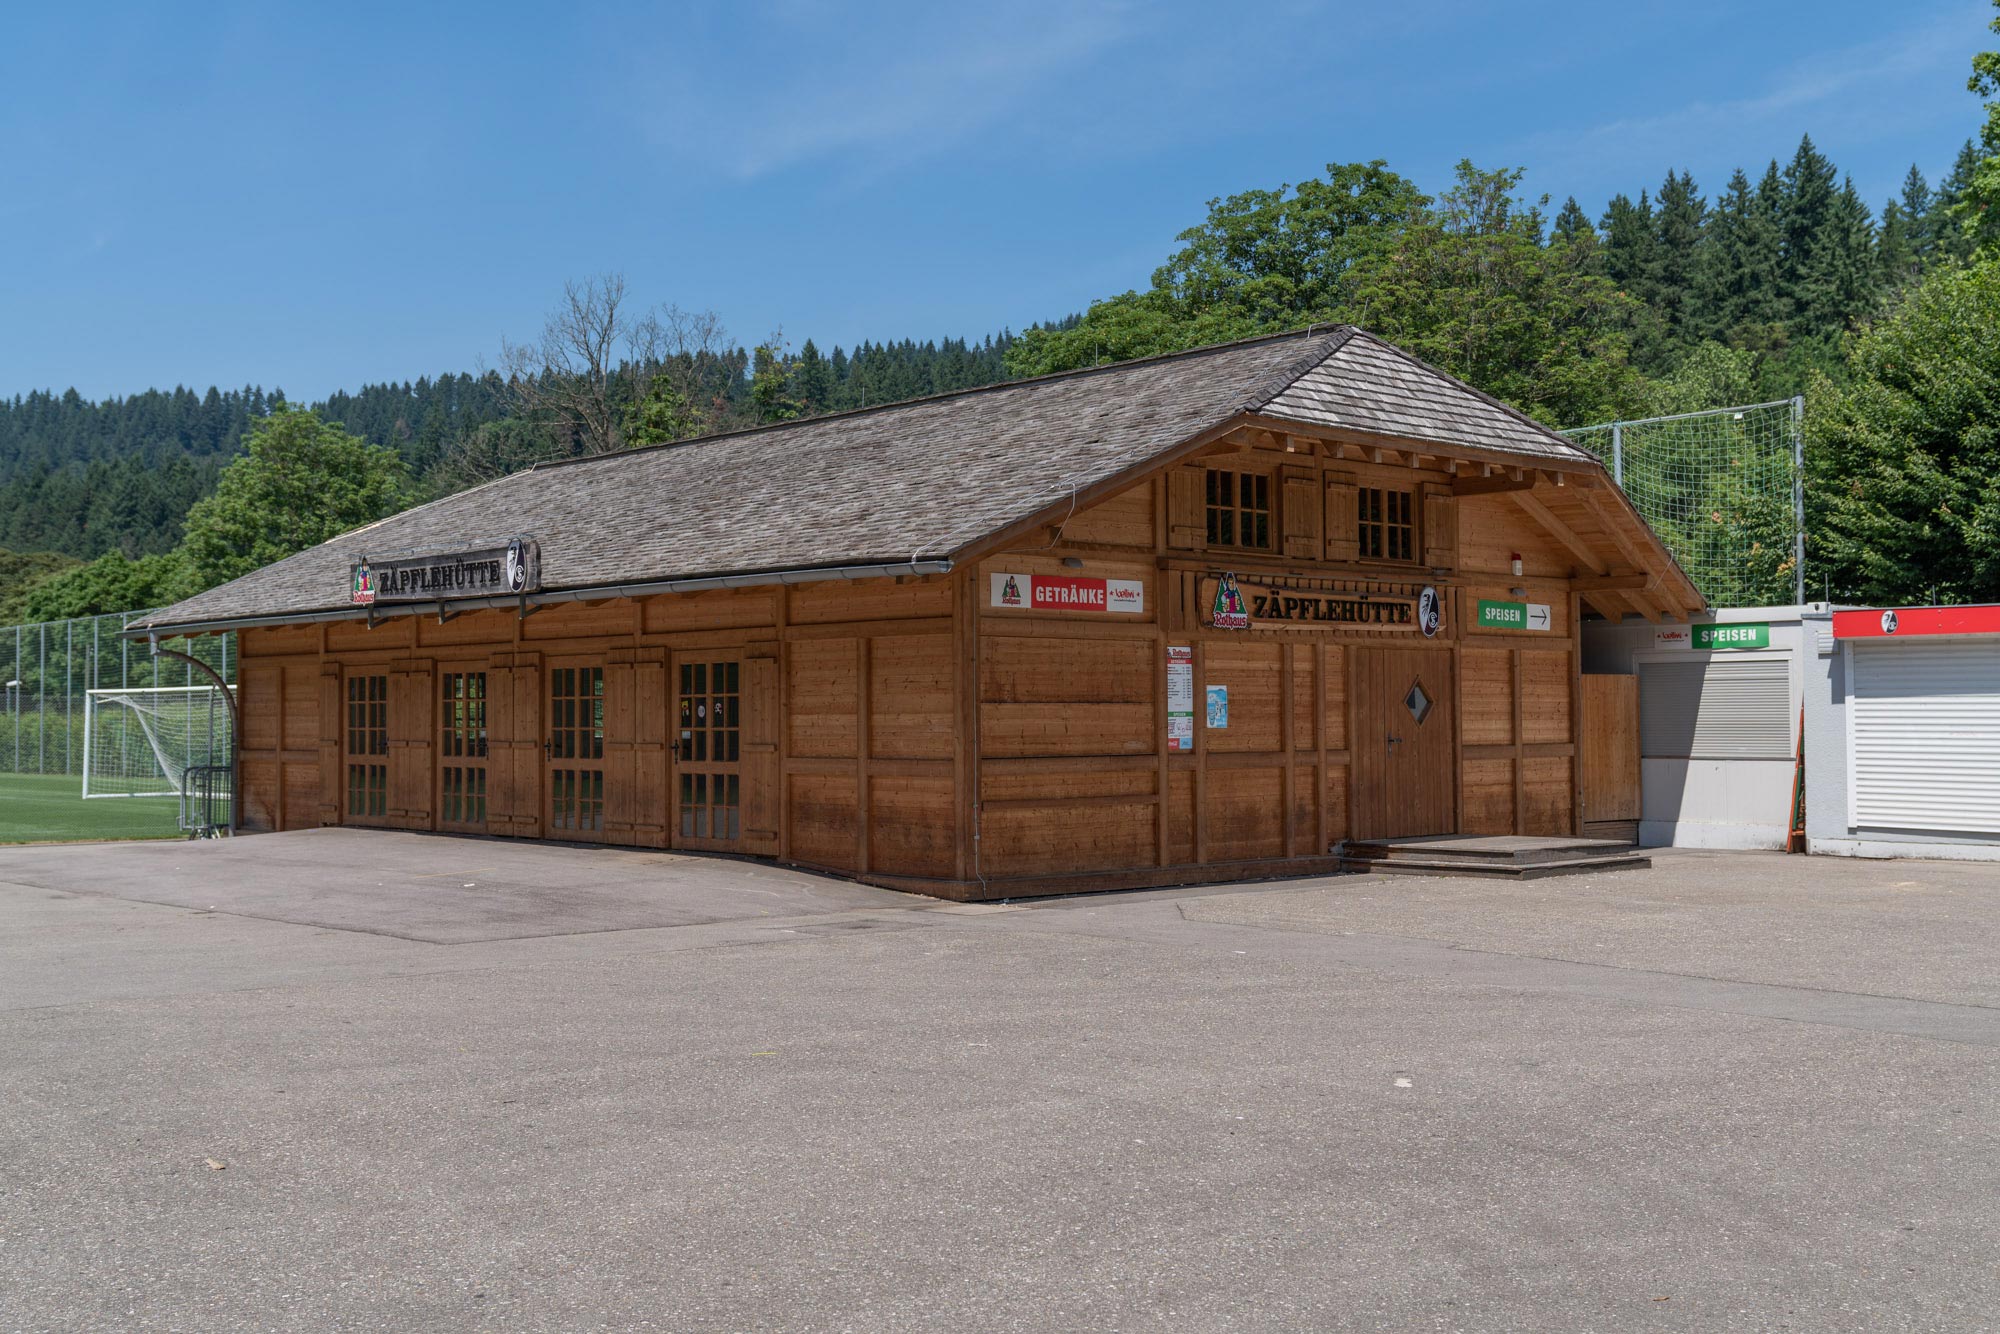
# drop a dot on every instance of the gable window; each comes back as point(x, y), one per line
point(1239, 509)
point(1384, 523)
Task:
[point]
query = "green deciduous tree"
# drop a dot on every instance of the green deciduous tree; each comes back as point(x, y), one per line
point(20, 572)
point(1904, 459)
point(662, 416)
point(1261, 261)
point(300, 482)
point(1470, 288)
point(1976, 208)
point(771, 381)
point(108, 584)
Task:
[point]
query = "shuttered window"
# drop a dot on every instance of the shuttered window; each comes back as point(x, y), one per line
point(1717, 708)
point(1239, 510)
point(1386, 529)
point(1926, 720)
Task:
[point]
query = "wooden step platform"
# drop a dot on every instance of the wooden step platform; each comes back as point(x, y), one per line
point(1499, 856)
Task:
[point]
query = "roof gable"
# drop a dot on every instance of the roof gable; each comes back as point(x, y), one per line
point(916, 481)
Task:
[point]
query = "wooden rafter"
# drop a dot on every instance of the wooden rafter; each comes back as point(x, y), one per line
point(1561, 531)
point(1611, 583)
point(1489, 486)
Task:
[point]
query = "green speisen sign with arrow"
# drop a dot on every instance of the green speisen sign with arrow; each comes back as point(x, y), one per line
point(1746, 634)
point(1512, 615)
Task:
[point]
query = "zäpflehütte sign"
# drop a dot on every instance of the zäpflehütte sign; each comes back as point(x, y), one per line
point(489, 572)
point(1230, 603)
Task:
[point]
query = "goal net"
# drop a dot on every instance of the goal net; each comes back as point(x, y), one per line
point(150, 742)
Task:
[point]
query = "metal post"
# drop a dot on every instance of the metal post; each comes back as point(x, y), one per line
point(69, 694)
point(1618, 452)
point(1799, 499)
point(42, 700)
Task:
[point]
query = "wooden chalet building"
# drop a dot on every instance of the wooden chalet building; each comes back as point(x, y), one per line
point(1197, 617)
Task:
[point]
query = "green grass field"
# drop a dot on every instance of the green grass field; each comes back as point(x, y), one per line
point(49, 808)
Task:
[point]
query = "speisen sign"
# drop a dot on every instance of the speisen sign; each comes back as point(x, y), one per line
point(1512, 615)
point(488, 572)
point(1739, 634)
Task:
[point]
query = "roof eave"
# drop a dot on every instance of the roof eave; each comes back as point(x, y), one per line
point(547, 597)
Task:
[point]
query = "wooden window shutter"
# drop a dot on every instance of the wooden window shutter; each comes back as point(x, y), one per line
point(1187, 521)
point(1440, 528)
point(762, 778)
point(621, 772)
point(514, 745)
point(1302, 513)
point(1343, 535)
point(411, 710)
point(332, 717)
point(635, 747)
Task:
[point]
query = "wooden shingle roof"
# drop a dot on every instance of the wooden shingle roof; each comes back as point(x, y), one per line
point(908, 482)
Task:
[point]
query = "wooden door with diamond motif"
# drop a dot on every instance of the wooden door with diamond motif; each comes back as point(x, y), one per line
point(1403, 710)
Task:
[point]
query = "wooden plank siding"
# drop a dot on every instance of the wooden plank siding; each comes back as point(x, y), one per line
point(907, 732)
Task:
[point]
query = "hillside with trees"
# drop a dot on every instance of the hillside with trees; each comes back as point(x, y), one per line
point(1783, 281)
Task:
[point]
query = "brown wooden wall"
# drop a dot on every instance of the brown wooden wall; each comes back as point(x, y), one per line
point(909, 732)
point(848, 690)
point(1073, 770)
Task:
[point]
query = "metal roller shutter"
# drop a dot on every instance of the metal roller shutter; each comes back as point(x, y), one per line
point(1925, 721)
point(1716, 709)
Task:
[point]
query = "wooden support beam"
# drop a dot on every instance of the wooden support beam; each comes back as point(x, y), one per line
point(1606, 510)
point(1490, 486)
point(1612, 516)
point(1608, 602)
point(1642, 605)
point(1611, 582)
point(1561, 531)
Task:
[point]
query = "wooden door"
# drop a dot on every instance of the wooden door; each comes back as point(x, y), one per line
point(1610, 768)
point(462, 746)
point(574, 751)
point(1402, 743)
point(708, 751)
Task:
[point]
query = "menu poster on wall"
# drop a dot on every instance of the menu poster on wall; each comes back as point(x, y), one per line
point(1180, 698)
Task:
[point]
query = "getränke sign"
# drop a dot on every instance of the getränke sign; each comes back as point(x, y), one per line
point(488, 572)
point(1229, 603)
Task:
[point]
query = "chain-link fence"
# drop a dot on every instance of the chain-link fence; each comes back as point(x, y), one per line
point(46, 668)
point(1725, 491)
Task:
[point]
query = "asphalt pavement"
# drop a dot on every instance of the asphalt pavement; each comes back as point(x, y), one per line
point(355, 1081)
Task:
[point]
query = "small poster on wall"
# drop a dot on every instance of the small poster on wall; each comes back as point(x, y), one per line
point(1180, 698)
point(1218, 706)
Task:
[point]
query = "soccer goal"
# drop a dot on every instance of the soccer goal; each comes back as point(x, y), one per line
point(161, 741)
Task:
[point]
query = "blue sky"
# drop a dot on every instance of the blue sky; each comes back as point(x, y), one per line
point(318, 197)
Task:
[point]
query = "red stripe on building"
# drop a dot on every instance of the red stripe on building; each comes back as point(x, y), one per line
point(1910, 622)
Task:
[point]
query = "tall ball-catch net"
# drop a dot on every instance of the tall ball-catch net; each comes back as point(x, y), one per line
point(162, 741)
point(1723, 489)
